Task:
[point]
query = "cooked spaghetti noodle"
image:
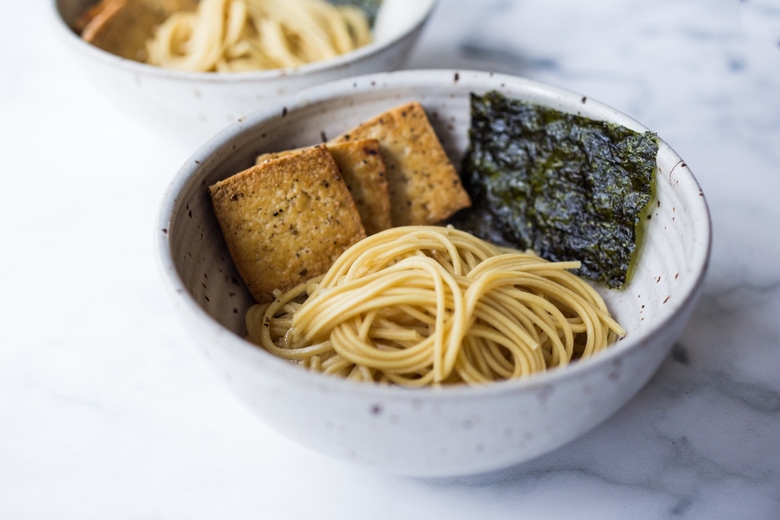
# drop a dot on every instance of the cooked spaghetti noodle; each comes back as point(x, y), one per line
point(424, 305)
point(242, 35)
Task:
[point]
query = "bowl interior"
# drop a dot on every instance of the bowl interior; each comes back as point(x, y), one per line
point(672, 256)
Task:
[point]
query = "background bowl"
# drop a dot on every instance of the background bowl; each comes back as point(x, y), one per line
point(425, 432)
point(199, 104)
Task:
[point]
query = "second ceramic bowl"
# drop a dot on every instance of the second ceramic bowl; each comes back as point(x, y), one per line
point(198, 104)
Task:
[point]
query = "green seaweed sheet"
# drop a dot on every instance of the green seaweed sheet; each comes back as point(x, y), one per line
point(566, 186)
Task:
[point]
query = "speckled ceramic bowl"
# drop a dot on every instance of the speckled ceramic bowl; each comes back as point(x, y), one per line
point(200, 104)
point(425, 432)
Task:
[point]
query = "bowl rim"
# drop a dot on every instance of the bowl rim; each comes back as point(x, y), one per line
point(344, 60)
point(402, 79)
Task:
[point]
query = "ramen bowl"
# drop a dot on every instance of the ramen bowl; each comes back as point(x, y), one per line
point(445, 431)
point(195, 105)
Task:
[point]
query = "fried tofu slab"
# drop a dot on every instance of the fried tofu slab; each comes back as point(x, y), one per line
point(122, 27)
point(363, 170)
point(286, 220)
point(424, 186)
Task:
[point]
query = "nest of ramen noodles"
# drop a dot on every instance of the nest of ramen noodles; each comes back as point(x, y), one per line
point(225, 35)
point(431, 305)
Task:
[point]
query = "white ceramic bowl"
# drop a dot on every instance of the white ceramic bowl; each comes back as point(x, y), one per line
point(425, 432)
point(200, 104)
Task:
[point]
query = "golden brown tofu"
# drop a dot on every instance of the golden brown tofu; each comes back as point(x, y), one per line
point(424, 186)
point(286, 220)
point(122, 27)
point(364, 172)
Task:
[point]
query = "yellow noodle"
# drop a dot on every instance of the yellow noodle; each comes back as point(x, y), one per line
point(242, 35)
point(426, 305)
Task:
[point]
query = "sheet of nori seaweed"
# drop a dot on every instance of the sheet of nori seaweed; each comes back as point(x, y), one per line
point(566, 186)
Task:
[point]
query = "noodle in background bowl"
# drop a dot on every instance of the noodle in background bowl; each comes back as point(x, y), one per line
point(193, 106)
point(448, 431)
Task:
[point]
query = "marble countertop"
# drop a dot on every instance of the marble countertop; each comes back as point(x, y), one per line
point(107, 412)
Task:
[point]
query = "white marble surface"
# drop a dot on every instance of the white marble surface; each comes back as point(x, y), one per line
point(106, 411)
